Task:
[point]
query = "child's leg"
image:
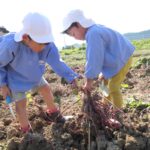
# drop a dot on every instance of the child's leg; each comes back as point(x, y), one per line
point(20, 100)
point(22, 113)
point(52, 113)
point(46, 93)
point(115, 83)
point(115, 95)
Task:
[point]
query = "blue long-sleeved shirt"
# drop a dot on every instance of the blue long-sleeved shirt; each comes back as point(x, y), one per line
point(107, 51)
point(21, 68)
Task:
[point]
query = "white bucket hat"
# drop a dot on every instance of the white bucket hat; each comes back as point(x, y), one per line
point(37, 27)
point(76, 16)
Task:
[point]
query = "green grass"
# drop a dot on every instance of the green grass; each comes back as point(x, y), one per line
point(76, 56)
point(140, 54)
point(73, 57)
point(143, 44)
point(133, 103)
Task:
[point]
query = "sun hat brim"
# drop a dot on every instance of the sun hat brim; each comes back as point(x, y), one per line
point(76, 16)
point(85, 23)
point(38, 39)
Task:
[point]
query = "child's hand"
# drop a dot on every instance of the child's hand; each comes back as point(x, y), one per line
point(5, 91)
point(88, 87)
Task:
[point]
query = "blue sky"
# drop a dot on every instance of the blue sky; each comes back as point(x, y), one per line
point(121, 15)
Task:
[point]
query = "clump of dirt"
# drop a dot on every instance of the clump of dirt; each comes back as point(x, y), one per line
point(83, 131)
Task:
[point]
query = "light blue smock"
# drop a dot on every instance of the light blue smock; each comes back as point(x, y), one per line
point(107, 52)
point(22, 69)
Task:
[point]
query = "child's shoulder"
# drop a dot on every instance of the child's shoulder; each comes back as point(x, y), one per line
point(94, 31)
point(7, 42)
point(8, 38)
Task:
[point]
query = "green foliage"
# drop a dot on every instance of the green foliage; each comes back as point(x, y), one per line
point(72, 51)
point(57, 100)
point(133, 103)
point(142, 61)
point(73, 57)
point(125, 86)
point(143, 44)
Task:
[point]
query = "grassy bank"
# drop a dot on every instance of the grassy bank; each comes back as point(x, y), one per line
point(76, 56)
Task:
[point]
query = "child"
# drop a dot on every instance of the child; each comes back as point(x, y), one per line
point(22, 64)
point(107, 53)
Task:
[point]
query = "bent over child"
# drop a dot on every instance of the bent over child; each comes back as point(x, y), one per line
point(107, 53)
point(22, 64)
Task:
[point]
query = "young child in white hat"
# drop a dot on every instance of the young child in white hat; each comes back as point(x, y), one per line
point(107, 53)
point(22, 64)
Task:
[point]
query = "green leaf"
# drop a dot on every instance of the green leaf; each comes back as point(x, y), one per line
point(124, 85)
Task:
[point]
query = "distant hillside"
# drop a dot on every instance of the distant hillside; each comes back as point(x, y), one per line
point(138, 35)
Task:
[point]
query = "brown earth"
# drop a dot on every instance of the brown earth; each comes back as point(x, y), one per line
point(76, 134)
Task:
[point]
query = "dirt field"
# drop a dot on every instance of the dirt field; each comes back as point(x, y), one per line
point(76, 134)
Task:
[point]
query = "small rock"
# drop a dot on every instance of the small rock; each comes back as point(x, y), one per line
point(120, 143)
point(112, 146)
point(101, 143)
point(12, 145)
point(66, 136)
point(135, 143)
point(12, 132)
point(7, 121)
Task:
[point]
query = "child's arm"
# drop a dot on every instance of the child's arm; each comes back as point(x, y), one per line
point(5, 91)
point(59, 66)
point(94, 55)
point(6, 56)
